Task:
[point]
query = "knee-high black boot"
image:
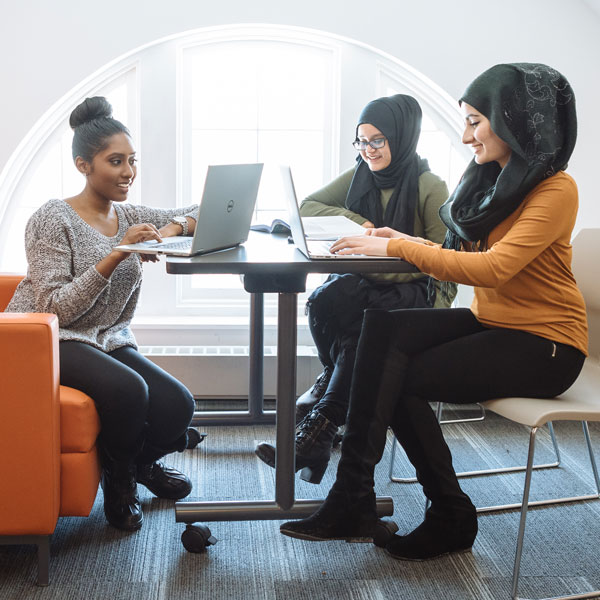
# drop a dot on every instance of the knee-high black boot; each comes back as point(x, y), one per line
point(349, 511)
point(450, 524)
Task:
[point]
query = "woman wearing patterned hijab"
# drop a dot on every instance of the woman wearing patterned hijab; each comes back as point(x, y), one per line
point(510, 221)
point(389, 185)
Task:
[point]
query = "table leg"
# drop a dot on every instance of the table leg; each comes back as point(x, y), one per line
point(256, 353)
point(285, 506)
point(285, 459)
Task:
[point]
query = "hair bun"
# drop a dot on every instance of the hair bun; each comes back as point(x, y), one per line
point(97, 107)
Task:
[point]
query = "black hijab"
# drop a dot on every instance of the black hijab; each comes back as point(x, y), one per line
point(399, 119)
point(531, 107)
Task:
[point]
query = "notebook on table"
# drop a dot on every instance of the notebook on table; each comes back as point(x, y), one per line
point(224, 215)
point(330, 227)
point(313, 249)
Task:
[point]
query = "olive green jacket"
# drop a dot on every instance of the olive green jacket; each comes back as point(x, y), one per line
point(433, 192)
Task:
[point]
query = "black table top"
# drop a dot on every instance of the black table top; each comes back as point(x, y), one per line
point(267, 254)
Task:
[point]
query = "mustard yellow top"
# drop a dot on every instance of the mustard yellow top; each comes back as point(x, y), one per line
point(524, 280)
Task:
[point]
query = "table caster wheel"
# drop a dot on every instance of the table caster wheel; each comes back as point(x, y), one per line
point(196, 538)
point(194, 437)
point(384, 531)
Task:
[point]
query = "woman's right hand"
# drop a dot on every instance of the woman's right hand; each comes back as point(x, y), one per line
point(136, 233)
point(388, 232)
point(143, 232)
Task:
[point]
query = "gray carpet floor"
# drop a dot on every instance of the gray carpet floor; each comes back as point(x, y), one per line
point(252, 560)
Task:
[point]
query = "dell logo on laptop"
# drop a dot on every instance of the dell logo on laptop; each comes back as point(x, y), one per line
point(230, 205)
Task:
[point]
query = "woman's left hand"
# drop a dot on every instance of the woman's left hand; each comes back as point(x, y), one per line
point(149, 258)
point(362, 244)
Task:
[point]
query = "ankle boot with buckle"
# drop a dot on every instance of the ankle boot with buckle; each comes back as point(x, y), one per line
point(314, 440)
point(164, 482)
point(307, 401)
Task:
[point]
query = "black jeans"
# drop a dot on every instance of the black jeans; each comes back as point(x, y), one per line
point(408, 358)
point(139, 404)
point(335, 315)
point(454, 358)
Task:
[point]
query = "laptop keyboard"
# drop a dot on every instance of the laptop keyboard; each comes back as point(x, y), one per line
point(318, 247)
point(183, 245)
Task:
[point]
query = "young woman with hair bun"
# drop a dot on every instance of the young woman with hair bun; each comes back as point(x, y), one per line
point(75, 272)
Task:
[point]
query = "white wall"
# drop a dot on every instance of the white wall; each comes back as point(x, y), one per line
point(49, 47)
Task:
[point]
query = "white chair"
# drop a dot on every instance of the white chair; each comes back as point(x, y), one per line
point(581, 402)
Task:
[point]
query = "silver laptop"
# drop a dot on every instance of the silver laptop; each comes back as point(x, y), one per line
point(313, 249)
point(224, 215)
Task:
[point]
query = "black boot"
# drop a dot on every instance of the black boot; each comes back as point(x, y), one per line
point(349, 511)
point(121, 503)
point(438, 534)
point(450, 524)
point(163, 481)
point(314, 440)
point(307, 401)
point(340, 517)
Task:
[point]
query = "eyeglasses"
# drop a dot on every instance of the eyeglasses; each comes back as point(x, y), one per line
point(375, 144)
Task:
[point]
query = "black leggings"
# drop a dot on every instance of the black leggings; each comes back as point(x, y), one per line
point(408, 358)
point(454, 358)
point(140, 405)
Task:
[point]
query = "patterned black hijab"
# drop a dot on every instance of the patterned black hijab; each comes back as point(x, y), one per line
point(399, 119)
point(531, 107)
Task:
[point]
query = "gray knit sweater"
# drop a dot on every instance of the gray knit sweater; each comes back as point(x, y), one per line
point(62, 253)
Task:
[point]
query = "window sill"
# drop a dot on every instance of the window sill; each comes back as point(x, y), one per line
point(207, 331)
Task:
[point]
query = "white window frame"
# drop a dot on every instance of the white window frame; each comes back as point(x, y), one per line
point(235, 301)
point(163, 309)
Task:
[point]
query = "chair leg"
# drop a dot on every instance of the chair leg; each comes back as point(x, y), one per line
point(480, 472)
point(43, 549)
point(548, 502)
point(524, 507)
point(42, 543)
point(481, 416)
point(586, 433)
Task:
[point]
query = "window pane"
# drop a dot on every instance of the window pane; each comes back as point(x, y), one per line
point(255, 101)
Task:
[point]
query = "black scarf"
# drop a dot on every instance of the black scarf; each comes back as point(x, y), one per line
point(399, 119)
point(531, 107)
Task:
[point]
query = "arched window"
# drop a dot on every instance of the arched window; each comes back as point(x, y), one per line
point(242, 93)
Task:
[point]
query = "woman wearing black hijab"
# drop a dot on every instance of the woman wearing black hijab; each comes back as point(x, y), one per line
point(390, 185)
point(510, 222)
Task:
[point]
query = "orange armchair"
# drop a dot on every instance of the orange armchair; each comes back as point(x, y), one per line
point(48, 458)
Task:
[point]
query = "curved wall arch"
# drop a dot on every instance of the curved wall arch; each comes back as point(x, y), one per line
point(439, 104)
